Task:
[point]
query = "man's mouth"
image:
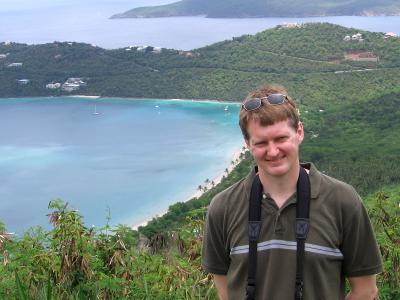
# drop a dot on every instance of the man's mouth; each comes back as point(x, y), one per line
point(277, 159)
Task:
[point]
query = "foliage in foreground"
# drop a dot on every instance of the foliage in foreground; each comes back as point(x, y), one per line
point(74, 262)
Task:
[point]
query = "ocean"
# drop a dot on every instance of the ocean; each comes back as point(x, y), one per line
point(130, 157)
point(45, 21)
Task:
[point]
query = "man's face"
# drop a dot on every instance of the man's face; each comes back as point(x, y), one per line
point(275, 148)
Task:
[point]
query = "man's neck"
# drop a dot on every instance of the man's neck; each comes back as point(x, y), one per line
point(280, 188)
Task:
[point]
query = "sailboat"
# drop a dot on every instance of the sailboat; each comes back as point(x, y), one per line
point(95, 110)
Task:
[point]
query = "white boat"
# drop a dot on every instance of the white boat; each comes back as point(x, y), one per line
point(95, 110)
point(226, 108)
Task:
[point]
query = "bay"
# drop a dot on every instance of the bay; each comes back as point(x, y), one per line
point(130, 157)
point(47, 21)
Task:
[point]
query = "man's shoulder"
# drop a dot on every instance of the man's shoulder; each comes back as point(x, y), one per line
point(335, 190)
point(231, 195)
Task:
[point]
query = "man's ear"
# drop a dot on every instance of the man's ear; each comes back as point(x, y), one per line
point(300, 131)
point(247, 143)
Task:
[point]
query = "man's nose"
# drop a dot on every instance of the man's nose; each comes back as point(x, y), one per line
point(272, 150)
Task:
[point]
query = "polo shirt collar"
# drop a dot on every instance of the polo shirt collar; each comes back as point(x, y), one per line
point(314, 175)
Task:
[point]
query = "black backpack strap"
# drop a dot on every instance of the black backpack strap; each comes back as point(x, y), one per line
point(302, 227)
point(253, 232)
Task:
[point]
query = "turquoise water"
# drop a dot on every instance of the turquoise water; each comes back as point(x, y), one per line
point(134, 157)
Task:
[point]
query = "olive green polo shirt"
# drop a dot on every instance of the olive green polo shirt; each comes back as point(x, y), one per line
point(340, 242)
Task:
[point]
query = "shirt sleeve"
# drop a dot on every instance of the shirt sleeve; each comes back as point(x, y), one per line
point(360, 249)
point(215, 257)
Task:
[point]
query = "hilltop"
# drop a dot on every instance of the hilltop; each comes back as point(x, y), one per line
point(298, 57)
point(262, 8)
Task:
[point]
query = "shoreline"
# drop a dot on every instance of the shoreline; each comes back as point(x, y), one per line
point(128, 98)
point(235, 157)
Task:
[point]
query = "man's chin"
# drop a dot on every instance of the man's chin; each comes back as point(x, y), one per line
point(276, 170)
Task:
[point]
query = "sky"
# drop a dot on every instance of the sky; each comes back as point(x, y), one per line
point(23, 5)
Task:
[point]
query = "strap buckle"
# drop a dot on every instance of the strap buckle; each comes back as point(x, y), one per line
point(251, 289)
point(302, 227)
point(254, 230)
point(299, 289)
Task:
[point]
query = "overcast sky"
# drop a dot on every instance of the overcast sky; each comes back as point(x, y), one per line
point(21, 5)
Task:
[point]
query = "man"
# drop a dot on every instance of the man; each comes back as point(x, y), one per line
point(340, 243)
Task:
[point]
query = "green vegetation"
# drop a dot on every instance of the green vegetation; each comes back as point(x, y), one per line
point(308, 60)
point(74, 262)
point(260, 8)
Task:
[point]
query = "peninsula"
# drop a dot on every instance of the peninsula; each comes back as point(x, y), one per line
point(265, 8)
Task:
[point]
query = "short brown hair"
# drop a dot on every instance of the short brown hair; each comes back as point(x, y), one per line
point(269, 114)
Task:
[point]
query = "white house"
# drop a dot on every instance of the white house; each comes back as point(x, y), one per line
point(69, 87)
point(23, 81)
point(13, 65)
point(157, 50)
point(53, 86)
point(389, 35)
point(73, 84)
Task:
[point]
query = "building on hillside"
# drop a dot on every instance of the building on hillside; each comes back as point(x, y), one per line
point(157, 50)
point(53, 86)
point(73, 84)
point(141, 48)
point(389, 35)
point(14, 65)
point(291, 25)
point(3, 56)
point(23, 81)
point(361, 56)
point(188, 53)
point(357, 37)
point(69, 87)
point(347, 38)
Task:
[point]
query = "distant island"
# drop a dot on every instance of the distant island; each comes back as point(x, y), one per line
point(265, 8)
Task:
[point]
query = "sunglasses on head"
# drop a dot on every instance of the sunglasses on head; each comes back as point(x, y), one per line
point(255, 103)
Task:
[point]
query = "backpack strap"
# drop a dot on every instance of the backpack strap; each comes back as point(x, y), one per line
point(253, 232)
point(302, 227)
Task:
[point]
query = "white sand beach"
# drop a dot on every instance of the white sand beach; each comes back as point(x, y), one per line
point(206, 186)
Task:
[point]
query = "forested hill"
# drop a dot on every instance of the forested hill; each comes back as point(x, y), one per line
point(312, 58)
point(266, 8)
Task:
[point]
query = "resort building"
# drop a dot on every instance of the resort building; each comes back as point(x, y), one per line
point(389, 35)
point(53, 86)
point(23, 81)
point(73, 84)
point(14, 65)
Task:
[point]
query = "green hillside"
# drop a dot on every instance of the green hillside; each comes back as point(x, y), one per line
point(302, 58)
point(263, 8)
